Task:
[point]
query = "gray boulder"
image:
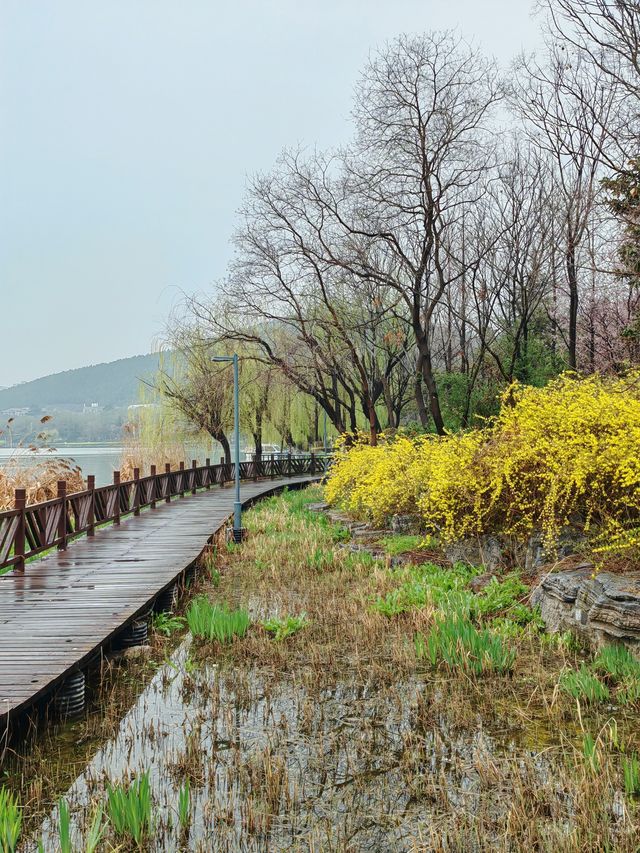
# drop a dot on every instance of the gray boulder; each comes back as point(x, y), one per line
point(602, 608)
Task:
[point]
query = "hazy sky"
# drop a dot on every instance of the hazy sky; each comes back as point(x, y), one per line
point(127, 130)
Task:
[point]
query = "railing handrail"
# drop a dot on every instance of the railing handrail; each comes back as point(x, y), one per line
point(29, 529)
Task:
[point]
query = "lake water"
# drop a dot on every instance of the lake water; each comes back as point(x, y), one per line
point(101, 461)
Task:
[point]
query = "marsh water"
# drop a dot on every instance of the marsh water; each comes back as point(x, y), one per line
point(276, 766)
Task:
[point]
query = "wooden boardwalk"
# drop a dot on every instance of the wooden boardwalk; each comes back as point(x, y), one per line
point(57, 614)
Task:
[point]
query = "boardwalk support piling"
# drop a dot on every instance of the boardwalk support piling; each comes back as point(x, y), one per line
point(166, 601)
point(69, 700)
point(135, 634)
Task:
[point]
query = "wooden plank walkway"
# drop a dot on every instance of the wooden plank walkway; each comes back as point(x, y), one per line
point(63, 608)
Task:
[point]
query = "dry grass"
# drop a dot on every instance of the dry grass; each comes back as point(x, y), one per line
point(136, 454)
point(37, 474)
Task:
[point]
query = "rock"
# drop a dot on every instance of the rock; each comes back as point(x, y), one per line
point(136, 652)
point(362, 532)
point(338, 517)
point(570, 541)
point(318, 507)
point(405, 523)
point(481, 551)
point(601, 608)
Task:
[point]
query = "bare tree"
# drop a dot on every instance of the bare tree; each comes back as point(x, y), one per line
point(558, 101)
point(422, 146)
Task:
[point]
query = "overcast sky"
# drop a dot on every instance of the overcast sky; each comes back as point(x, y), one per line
point(127, 130)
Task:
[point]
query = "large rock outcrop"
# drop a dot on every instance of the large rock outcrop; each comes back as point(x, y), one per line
point(601, 607)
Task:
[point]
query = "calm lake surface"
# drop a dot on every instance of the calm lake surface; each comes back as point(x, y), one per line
point(92, 459)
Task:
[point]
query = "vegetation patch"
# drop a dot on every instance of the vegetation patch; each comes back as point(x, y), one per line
point(457, 644)
point(209, 621)
point(282, 627)
point(552, 455)
point(129, 809)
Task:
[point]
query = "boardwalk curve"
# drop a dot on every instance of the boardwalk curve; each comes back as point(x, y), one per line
point(58, 613)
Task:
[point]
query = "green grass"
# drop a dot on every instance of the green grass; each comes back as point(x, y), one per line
point(631, 774)
point(209, 621)
point(284, 627)
point(96, 832)
point(320, 559)
point(584, 685)
point(617, 663)
point(590, 752)
point(500, 596)
point(10, 821)
point(613, 667)
point(404, 543)
point(129, 809)
point(427, 584)
point(184, 806)
point(457, 644)
point(64, 826)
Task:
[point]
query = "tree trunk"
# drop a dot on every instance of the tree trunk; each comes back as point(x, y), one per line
point(432, 388)
point(572, 278)
point(224, 441)
point(257, 437)
point(422, 408)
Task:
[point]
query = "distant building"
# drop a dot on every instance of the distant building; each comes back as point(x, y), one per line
point(16, 412)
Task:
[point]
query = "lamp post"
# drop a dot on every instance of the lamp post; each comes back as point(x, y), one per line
point(237, 506)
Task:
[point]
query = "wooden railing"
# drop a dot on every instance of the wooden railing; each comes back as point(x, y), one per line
point(28, 530)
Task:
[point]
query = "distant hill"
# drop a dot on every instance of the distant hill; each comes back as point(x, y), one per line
point(116, 383)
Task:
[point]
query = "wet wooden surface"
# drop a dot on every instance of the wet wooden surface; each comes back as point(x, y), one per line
point(58, 613)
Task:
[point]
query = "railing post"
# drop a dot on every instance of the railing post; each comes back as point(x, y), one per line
point(194, 465)
point(273, 466)
point(167, 470)
point(313, 463)
point(207, 463)
point(182, 479)
point(223, 470)
point(116, 483)
point(91, 520)
point(255, 467)
point(20, 503)
point(62, 520)
point(154, 490)
point(136, 491)
point(288, 463)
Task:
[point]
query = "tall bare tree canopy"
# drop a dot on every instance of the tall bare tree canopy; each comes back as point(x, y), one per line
point(467, 236)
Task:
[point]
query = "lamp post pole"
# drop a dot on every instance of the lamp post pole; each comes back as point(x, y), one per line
point(237, 505)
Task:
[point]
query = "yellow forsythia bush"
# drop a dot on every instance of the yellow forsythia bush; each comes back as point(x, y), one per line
point(570, 449)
